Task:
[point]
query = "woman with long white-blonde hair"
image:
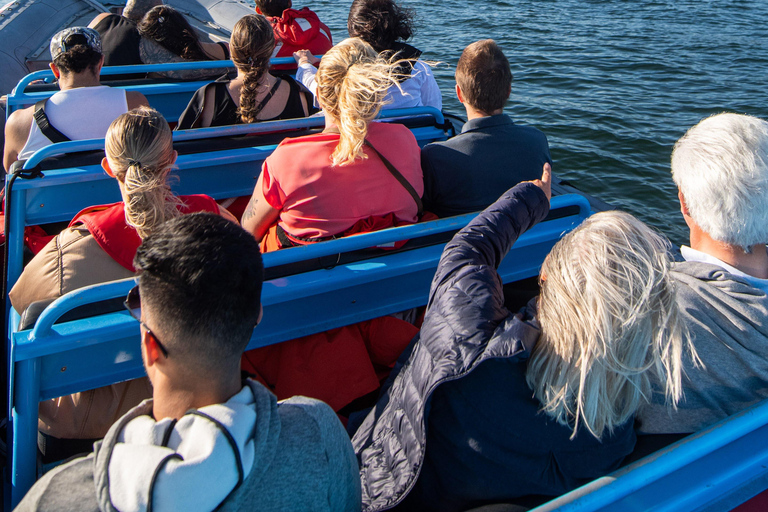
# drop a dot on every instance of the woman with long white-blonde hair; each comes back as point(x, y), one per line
point(358, 175)
point(99, 246)
point(501, 408)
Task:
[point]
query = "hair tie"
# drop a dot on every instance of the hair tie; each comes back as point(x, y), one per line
point(250, 61)
point(132, 162)
point(160, 19)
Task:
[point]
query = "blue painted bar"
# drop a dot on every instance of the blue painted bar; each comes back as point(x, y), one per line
point(170, 97)
point(704, 471)
point(23, 463)
point(72, 356)
point(63, 148)
point(364, 241)
point(45, 74)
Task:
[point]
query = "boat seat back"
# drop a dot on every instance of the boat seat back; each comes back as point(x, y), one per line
point(168, 96)
point(69, 349)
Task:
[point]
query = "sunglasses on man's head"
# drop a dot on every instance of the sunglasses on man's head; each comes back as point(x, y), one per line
point(133, 305)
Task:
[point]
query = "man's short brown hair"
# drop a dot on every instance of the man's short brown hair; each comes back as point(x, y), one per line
point(484, 76)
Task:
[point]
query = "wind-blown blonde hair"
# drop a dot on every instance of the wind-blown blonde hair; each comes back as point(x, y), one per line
point(352, 81)
point(609, 317)
point(139, 148)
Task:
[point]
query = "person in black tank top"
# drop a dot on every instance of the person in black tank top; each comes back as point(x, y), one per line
point(120, 43)
point(261, 96)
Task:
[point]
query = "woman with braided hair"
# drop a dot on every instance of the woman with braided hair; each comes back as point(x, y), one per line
point(357, 176)
point(254, 95)
point(99, 246)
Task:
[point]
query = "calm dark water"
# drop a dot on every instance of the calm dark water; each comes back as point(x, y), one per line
point(613, 83)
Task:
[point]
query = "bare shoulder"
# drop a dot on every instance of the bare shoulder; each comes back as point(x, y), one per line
point(135, 99)
point(16, 133)
point(20, 120)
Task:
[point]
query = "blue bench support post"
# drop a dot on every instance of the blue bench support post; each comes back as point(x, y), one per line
point(24, 459)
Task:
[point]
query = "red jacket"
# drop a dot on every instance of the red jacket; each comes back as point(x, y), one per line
point(113, 234)
point(299, 30)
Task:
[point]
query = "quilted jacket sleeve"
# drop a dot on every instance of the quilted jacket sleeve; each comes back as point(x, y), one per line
point(470, 260)
point(466, 307)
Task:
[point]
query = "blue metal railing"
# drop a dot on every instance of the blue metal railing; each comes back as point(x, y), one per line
point(46, 74)
point(63, 148)
point(380, 285)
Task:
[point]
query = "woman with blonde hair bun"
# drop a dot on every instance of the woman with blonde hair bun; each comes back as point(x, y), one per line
point(254, 94)
point(499, 408)
point(99, 246)
point(358, 175)
point(321, 186)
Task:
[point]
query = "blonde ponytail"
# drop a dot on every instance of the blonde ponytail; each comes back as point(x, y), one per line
point(352, 81)
point(139, 148)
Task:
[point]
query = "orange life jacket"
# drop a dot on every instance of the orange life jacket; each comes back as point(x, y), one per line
point(108, 227)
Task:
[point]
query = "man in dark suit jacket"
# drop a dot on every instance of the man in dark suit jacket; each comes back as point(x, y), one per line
point(492, 154)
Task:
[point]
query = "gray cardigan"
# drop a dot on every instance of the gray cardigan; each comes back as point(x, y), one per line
point(728, 321)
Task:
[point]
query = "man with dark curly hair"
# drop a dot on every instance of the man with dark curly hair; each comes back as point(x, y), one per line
point(82, 109)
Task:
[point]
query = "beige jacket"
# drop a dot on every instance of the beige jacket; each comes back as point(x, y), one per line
point(70, 261)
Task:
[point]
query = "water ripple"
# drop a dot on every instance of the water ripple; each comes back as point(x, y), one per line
point(613, 83)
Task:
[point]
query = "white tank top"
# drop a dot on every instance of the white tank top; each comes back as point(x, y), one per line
point(82, 113)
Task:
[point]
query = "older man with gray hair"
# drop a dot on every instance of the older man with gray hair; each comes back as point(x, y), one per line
point(720, 167)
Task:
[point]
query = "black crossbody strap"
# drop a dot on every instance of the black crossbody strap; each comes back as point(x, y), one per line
point(46, 128)
point(399, 177)
point(269, 95)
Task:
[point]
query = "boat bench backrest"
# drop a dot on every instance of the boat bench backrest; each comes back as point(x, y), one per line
point(52, 359)
point(170, 97)
point(221, 162)
point(106, 344)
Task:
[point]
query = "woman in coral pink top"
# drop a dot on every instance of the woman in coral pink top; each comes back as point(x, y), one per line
point(321, 186)
point(355, 176)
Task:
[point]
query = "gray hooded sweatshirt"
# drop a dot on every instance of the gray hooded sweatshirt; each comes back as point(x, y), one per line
point(249, 453)
point(728, 321)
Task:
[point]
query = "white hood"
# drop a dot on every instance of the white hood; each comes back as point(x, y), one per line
point(190, 464)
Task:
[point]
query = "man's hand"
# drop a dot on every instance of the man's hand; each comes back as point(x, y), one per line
point(545, 183)
point(305, 57)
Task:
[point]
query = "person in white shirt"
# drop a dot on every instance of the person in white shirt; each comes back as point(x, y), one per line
point(82, 109)
point(720, 168)
point(385, 26)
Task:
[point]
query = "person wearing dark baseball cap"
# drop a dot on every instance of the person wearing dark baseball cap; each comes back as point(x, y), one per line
point(82, 109)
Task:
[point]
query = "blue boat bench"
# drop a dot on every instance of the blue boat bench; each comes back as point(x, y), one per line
point(51, 359)
point(170, 97)
point(73, 347)
point(222, 162)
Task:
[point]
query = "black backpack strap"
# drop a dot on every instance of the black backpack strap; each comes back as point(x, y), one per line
point(399, 177)
point(47, 129)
